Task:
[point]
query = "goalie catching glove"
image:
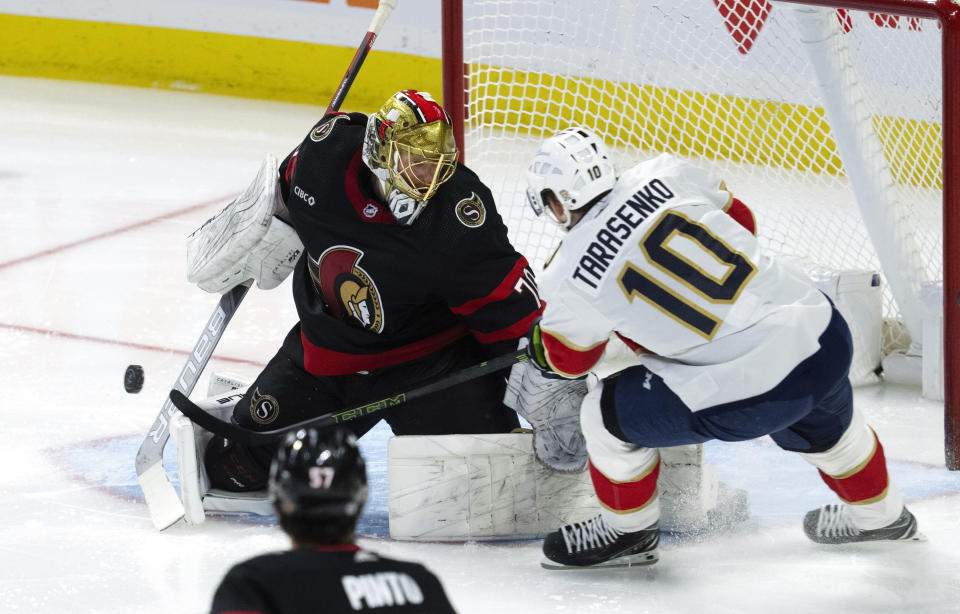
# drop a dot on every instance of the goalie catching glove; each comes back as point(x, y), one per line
point(552, 407)
point(246, 240)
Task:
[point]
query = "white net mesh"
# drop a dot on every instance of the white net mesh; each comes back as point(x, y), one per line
point(729, 84)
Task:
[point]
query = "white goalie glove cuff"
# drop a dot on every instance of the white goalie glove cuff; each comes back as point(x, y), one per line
point(245, 240)
point(552, 407)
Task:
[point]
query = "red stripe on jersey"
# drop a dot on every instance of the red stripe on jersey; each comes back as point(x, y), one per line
point(569, 361)
point(321, 361)
point(630, 343)
point(499, 293)
point(368, 209)
point(742, 214)
point(429, 108)
point(291, 165)
point(514, 331)
point(625, 496)
point(867, 482)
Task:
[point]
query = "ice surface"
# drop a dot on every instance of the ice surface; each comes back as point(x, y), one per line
point(99, 186)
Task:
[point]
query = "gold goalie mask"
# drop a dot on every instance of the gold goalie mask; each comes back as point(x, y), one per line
point(409, 146)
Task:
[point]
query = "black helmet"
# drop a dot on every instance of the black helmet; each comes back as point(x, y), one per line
point(319, 474)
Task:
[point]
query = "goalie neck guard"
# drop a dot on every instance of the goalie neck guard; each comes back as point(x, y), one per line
point(409, 146)
point(319, 475)
point(575, 167)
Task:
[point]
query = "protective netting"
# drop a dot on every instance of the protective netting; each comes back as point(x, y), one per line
point(730, 85)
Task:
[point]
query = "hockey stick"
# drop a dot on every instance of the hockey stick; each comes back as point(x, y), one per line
point(162, 500)
point(252, 438)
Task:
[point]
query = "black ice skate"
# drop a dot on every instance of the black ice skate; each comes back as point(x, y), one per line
point(833, 524)
point(594, 543)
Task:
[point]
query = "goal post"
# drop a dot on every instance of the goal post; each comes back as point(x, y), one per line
point(835, 120)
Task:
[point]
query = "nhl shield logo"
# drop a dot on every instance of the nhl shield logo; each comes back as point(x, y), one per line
point(264, 408)
point(470, 211)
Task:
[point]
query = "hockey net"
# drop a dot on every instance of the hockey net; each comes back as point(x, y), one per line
point(826, 121)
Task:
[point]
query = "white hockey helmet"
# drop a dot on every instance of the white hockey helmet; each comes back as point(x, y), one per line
point(576, 167)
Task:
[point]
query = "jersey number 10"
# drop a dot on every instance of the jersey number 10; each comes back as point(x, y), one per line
point(634, 282)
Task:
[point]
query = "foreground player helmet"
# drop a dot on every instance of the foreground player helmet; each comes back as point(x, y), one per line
point(576, 167)
point(409, 146)
point(319, 475)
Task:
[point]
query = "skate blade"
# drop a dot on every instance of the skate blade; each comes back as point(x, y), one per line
point(634, 560)
point(917, 537)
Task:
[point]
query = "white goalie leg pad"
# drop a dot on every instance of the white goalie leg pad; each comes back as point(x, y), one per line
point(456, 487)
point(552, 407)
point(689, 489)
point(245, 240)
point(195, 492)
point(483, 487)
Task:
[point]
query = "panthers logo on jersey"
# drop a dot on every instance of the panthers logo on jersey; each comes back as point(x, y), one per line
point(347, 289)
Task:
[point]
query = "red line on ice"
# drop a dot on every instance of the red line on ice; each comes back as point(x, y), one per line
point(114, 232)
point(139, 346)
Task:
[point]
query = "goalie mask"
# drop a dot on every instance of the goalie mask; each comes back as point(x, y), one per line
point(319, 475)
point(409, 146)
point(575, 167)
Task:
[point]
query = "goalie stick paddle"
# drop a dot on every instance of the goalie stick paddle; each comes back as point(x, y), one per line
point(248, 437)
point(162, 500)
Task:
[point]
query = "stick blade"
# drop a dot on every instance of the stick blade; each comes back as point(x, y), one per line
point(162, 500)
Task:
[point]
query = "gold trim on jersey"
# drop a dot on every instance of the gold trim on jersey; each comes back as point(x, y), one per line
point(636, 293)
point(570, 345)
point(729, 266)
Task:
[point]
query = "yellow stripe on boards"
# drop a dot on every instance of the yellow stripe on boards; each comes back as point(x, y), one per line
point(211, 63)
point(781, 135)
point(775, 134)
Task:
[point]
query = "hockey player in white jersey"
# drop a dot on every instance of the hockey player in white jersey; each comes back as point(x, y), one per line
point(731, 344)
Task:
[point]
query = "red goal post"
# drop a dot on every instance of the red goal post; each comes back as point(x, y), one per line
point(722, 82)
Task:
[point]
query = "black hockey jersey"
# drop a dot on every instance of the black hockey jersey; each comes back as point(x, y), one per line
point(371, 292)
point(334, 579)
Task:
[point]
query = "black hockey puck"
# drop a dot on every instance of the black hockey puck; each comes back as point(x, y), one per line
point(133, 379)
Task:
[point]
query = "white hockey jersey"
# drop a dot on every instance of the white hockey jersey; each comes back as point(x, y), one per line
point(659, 262)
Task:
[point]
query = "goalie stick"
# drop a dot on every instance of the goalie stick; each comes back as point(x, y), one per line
point(162, 500)
point(248, 437)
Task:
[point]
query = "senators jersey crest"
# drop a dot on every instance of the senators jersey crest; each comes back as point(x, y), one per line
point(347, 290)
point(470, 211)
